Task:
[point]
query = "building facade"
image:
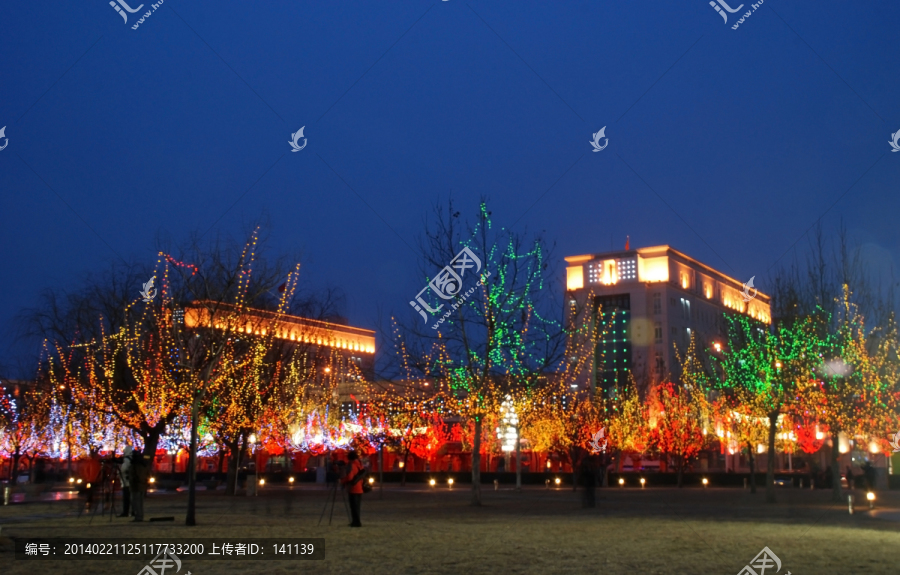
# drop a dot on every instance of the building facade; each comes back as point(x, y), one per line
point(651, 301)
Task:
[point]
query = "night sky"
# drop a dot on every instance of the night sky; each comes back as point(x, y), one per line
point(725, 144)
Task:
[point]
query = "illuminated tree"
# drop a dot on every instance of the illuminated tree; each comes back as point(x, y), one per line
point(495, 334)
point(24, 415)
point(626, 418)
point(768, 371)
point(676, 423)
point(679, 414)
point(564, 424)
point(855, 386)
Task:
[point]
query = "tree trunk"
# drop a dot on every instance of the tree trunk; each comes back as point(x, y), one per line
point(573, 455)
point(191, 518)
point(234, 455)
point(151, 441)
point(680, 471)
point(770, 469)
point(14, 470)
point(476, 464)
point(752, 468)
point(518, 462)
point(381, 472)
point(836, 494)
point(403, 472)
point(68, 448)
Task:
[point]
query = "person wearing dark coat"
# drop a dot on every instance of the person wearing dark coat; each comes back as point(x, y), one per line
point(140, 475)
point(589, 481)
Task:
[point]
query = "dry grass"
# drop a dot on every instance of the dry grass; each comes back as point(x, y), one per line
point(419, 530)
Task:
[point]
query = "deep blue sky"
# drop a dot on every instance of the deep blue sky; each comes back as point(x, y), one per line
point(750, 135)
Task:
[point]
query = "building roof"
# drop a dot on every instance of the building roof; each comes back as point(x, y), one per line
point(658, 251)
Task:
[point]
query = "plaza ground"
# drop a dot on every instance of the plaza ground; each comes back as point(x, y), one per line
point(418, 529)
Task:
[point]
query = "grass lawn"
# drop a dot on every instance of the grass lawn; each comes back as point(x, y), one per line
point(421, 530)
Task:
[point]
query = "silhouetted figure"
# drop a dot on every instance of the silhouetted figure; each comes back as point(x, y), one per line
point(589, 481)
point(140, 475)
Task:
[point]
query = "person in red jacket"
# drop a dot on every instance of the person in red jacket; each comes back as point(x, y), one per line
point(353, 480)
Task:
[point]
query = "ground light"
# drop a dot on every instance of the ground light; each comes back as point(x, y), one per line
point(432, 482)
point(152, 480)
point(705, 482)
point(557, 481)
point(850, 504)
point(371, 480)
point(621, 482)
point(643, 481)
point(88, 486)
point(79, 481)
point(450, 483)
point(871, 497)
point(290, 479)
point(262, 481)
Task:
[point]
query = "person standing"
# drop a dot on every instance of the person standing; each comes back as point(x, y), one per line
point(353, 480)
point(125, 478)
point(140, 473)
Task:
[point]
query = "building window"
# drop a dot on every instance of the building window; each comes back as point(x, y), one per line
point(657, 304)
point(685, 309)
point(657, 333)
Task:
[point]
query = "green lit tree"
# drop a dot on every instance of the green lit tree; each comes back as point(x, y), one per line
point(767, 370)
point(496, 334)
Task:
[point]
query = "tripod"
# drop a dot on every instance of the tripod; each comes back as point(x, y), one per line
point(107, 491)
point(333, 490)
